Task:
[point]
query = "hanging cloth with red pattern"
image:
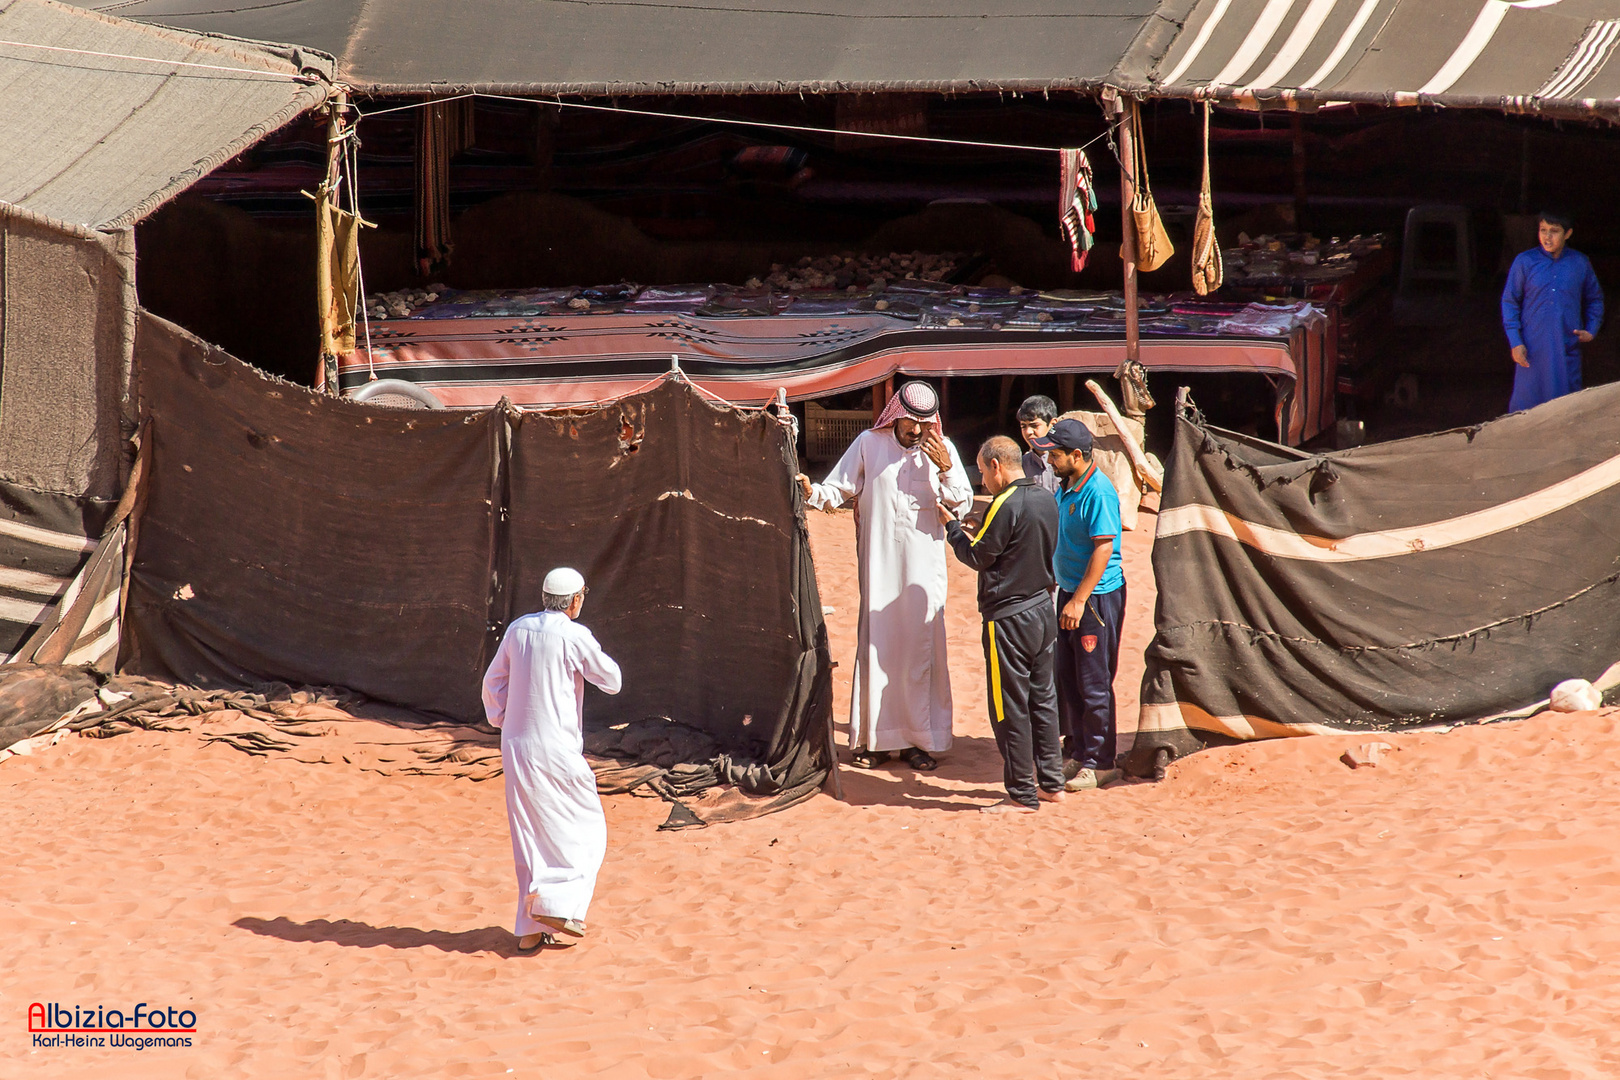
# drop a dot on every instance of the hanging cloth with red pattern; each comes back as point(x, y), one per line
point(1077, 202)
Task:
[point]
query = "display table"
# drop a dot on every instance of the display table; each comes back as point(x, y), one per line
point(533, 348)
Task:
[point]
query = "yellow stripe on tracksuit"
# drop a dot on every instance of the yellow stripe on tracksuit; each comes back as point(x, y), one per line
point(995, 659)
point(990, 515)
point(995, 674)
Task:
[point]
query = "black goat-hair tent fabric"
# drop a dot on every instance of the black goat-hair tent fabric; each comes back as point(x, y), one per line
point(288, 536)
point(682, 517)
point(1444, 579)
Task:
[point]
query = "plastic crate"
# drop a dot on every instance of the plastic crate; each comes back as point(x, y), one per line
point(828, 432)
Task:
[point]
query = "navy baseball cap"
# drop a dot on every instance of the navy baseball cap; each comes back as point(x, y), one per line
point(1064, 435)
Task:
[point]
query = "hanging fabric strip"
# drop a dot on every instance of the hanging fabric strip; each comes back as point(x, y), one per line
point(443, 130)
point(1077, 202)
point(1206, 251)
point(343, 255)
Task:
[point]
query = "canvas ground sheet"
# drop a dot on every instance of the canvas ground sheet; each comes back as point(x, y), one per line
point(288, 537)
point(1443, 579)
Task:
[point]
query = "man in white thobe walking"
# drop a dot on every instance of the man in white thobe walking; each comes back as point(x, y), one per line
point(900, 471)
point(534, 691)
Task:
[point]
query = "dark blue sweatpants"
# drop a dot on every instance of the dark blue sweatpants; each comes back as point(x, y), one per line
point(1087, 658)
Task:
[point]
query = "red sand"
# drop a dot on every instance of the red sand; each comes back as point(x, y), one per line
point(1266, 913)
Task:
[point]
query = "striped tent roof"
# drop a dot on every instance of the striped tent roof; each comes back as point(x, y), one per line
point(1521, 55)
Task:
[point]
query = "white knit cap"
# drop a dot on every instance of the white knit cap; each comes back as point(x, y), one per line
point(563, 581)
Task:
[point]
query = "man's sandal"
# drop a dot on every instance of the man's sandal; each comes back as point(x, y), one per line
point(532, 943)
point(919, 759)
point(571, 927)
point(868, 759)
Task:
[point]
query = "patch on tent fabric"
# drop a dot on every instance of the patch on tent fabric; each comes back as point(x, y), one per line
point(1089, 642)
point(632, 430)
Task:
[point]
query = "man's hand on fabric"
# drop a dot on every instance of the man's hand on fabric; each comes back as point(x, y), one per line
point(1582, 336)
point(1069, 617)
point(1521, 356)
point(804, 485)
point(944, 515)
point(935, 448)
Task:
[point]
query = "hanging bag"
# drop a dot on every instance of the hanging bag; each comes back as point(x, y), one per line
point(1153, 247)
point(1206, 253)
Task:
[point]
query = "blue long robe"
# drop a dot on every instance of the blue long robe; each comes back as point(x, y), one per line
point(1546, 300)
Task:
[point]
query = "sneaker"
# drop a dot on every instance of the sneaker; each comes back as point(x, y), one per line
point(1087, 779)
point(1071, 768)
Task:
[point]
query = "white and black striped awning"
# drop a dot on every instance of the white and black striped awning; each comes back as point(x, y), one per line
point(1521, 55)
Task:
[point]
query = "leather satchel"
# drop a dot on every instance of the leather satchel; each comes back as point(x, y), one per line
point(1153, 247)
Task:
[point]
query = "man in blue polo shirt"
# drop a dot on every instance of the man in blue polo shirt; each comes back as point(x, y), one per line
point(1091, 604)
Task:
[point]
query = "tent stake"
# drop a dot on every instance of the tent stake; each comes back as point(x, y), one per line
point(833, 779)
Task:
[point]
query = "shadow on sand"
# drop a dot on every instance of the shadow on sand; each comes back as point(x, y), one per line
point(971, 760)
point(359, 935)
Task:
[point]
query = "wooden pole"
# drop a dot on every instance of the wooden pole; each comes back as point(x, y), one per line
point(1151, 477)
point(1130, 373)
point(1125, 117)
point(1298, 123)
point(881, 392)
point(1524, 172)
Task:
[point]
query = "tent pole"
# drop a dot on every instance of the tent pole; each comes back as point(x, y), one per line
point(881, 392)
point(1524, 171)
point(1127, 232)
point(1298, 123)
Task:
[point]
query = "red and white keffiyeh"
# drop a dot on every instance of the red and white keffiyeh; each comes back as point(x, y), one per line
point(917, 400)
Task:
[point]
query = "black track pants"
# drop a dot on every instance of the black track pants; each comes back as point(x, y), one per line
point(1018, 657)
point(1087, 658)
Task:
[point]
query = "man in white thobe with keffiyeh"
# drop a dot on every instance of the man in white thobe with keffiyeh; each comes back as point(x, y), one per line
point(534, 691)
point(898, 472)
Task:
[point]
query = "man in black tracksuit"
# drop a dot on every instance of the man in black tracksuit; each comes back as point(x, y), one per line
point(1013, 554)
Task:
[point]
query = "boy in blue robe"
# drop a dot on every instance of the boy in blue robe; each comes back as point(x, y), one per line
point(1552, 305)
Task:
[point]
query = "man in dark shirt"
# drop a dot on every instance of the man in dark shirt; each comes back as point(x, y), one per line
point(1012, 551)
